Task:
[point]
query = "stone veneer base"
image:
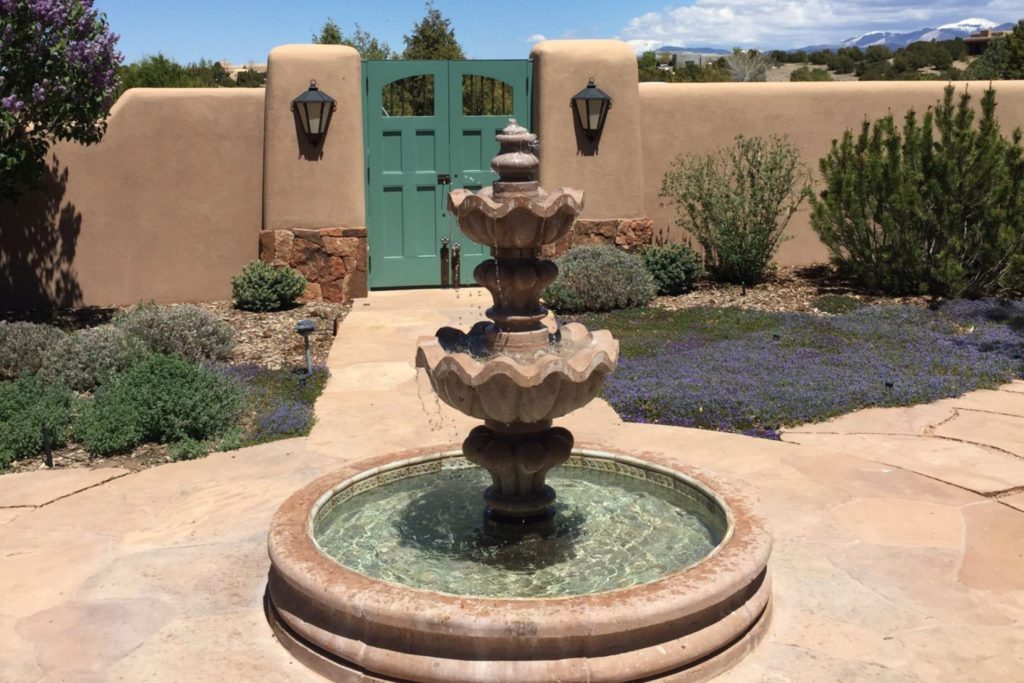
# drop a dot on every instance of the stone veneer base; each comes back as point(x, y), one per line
point(687, 626)
point(333, 260)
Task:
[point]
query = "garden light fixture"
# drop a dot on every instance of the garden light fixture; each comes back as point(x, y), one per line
point(314, 109)
point(590, 107)
point(305, 328)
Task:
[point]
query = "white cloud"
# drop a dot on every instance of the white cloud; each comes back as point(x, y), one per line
point(792, 23)
point(535, 38)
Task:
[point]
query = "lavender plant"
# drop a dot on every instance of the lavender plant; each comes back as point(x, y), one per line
point(58, 65)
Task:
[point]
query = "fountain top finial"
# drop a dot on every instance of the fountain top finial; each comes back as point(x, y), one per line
point(516, 163)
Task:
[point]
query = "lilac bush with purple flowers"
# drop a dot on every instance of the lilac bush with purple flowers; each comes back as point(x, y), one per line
point(58, 79)
point(754, 372)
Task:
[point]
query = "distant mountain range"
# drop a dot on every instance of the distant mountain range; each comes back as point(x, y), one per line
point(892, 40)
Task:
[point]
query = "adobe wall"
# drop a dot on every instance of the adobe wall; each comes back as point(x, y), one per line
point(697, 118)
point(166, 207)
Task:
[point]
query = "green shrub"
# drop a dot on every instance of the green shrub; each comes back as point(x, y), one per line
point(84, 359)
point(263, 287)
point(22, 347)
point(160, 399)
point(190, 449)
point(936, 207)
point(737, 203)
point(187, 332)
point(675, 267)
point(32, 411)
point(599, 278)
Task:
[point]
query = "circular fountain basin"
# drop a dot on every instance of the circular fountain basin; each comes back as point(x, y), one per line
point(652, 573)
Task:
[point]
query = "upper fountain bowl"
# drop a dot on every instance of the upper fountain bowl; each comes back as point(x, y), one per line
point(516, 221)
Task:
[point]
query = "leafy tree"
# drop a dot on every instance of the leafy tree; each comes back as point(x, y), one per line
point(748, 66)
point(936, 208)
point(806, 73)
point(158, 71)
point(737, 203)
point(877, 53)
point(716, 72)
point(1003, 60)
point(58, 79)
point(647, 68)
point(250, 78)
point(368, 46)
point(432, 38)
point(152, 71)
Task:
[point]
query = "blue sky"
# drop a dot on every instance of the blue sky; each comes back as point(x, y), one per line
point(245, 31)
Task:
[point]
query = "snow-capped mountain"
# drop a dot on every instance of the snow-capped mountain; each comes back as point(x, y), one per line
point(972, 25)
point(894, 40)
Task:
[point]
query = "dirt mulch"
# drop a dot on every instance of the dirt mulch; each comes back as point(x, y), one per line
point(270, 339)
point(788, 290)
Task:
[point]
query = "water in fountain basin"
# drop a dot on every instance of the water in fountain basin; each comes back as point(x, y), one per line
point(426, 531)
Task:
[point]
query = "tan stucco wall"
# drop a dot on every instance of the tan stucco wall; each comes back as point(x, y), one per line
point(612, 178)
point(166, 207)
point(304, 188)
point(699, 118)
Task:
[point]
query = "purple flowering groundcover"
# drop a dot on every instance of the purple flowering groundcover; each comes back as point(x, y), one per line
point(754, 372)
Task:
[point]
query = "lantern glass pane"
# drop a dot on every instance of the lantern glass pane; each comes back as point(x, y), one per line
point(303, 116)
point(315, 112)
point(581, 109)
point(595, 114)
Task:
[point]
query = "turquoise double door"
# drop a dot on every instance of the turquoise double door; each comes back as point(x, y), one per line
point(429, 128)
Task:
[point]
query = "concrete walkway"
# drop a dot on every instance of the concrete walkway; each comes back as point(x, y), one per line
point(899, 552)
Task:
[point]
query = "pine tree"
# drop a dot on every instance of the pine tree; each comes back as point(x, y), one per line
point(432, 38)
point(936, 207)
point(368, 46)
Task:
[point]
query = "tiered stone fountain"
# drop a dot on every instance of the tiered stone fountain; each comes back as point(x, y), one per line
point(638, 570)
point(515, 373)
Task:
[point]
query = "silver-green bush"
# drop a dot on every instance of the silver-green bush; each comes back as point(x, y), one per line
point(22, 346)
point(187, 332)
point(84, 359)
point(738, 202)
point(599, 278)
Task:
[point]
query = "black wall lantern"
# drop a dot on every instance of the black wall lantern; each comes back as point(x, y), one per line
point(591, 107)
point(314, 109)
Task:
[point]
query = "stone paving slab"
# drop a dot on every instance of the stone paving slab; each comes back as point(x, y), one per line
point(1015, 501)
point(32, 489)
point(880, 573)
point(1002, 401)
point(973, 467)
point(909, 421)
point(989, 429)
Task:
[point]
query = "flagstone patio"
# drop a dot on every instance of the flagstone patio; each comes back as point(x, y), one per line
point(898, 552)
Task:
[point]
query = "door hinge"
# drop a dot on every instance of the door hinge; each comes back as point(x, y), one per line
point(369, 263)
point(367, 85)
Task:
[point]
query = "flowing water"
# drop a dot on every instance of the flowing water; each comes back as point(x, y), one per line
point(613, 531)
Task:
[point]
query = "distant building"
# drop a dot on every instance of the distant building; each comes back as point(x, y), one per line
point(234, 69)
point(677, 59)
point(978, 42)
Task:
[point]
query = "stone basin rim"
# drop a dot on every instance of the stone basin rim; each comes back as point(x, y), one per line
point(586, 452)
point(737, 560)
point(694, 622)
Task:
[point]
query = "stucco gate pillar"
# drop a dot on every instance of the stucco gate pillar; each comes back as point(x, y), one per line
point(611, 172)
point(314, 217)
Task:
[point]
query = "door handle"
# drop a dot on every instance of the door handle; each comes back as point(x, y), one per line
point(444, 179)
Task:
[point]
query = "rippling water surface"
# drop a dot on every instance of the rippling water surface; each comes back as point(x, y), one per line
point(426, 531)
